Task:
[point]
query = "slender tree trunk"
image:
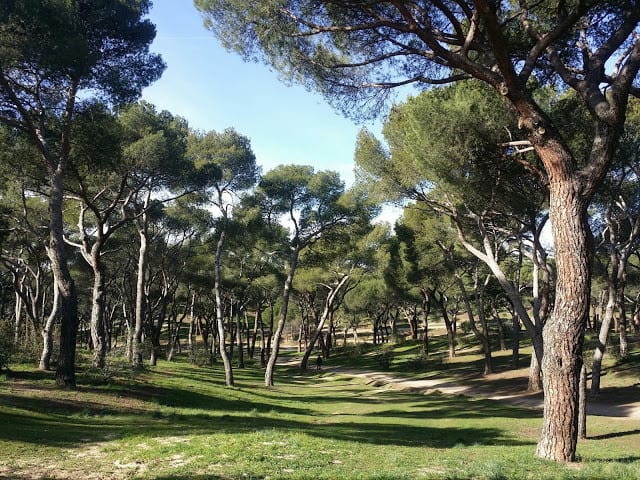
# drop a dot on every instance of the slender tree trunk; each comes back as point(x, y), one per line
point(535, 376)
point(226, 361)
point(622, 281)
point(137, 349)
point(503, 345)
point(97, 325)
point(256, 324)
point(451, 334)
point(19, 318)
point(47, 332)
point(515, 347)
point(582, 408)
point(239, 338)
point(275, 347)
point(481, 336)
point(326, 313)
point(426, 309)
point(605, 327)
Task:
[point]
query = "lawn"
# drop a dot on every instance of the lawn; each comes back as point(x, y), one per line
point(178, 420)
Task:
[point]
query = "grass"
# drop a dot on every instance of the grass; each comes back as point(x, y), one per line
point(179, 421)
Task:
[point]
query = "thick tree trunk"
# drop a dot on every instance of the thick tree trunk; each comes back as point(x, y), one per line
point(66, 371)
point(563, 333)
point(277, 335)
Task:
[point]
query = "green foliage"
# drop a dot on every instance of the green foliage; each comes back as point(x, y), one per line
point(103, 45)
point(224, 161)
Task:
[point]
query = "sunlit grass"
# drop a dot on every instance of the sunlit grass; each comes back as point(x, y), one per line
point(177, 421)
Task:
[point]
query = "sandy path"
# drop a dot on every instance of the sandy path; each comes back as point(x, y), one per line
point(512, 396)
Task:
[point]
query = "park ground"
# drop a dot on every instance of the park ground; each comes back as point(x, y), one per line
point(369, 413)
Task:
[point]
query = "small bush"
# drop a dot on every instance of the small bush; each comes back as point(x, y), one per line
point(201, 357)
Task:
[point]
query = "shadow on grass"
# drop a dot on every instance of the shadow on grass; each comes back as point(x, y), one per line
point(54, 423)
point(607, 436)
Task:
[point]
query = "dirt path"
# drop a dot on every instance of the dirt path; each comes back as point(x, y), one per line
point(508, 387)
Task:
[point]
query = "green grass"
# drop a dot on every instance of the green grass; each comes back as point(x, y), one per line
point(178, 421)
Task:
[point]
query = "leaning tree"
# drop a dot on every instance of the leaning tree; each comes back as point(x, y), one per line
point(355, 52)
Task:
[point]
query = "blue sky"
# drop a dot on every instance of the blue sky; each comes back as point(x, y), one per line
point(215, 89)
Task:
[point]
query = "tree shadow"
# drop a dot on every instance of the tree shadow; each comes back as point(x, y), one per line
point(606, 436)
point(68, 421)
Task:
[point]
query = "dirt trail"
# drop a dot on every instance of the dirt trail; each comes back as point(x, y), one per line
point(508, 387)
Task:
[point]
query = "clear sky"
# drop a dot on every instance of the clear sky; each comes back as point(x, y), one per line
point(215, 89)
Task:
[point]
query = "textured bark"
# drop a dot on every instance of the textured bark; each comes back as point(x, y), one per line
point(563, 333)
point(66, 370)
point(98, 336)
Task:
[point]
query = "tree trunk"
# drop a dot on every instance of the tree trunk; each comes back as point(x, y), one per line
point(19, 319)
point(451, 334)
point(66, 371)
point(326, 313)
point(535, 376)
point(481, 336)
point(47, 332)
point(622, 280)
point(275, 344)
point(226, 361)
point(582, 408)
point(515, 347)
point(97, 315)
point(563, 333)
point(426, 308)
point(239, 338)
point(137, 347)
point(603, 335)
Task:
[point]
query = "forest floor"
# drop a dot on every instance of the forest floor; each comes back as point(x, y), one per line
point(509, 386)
point(371, 412)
